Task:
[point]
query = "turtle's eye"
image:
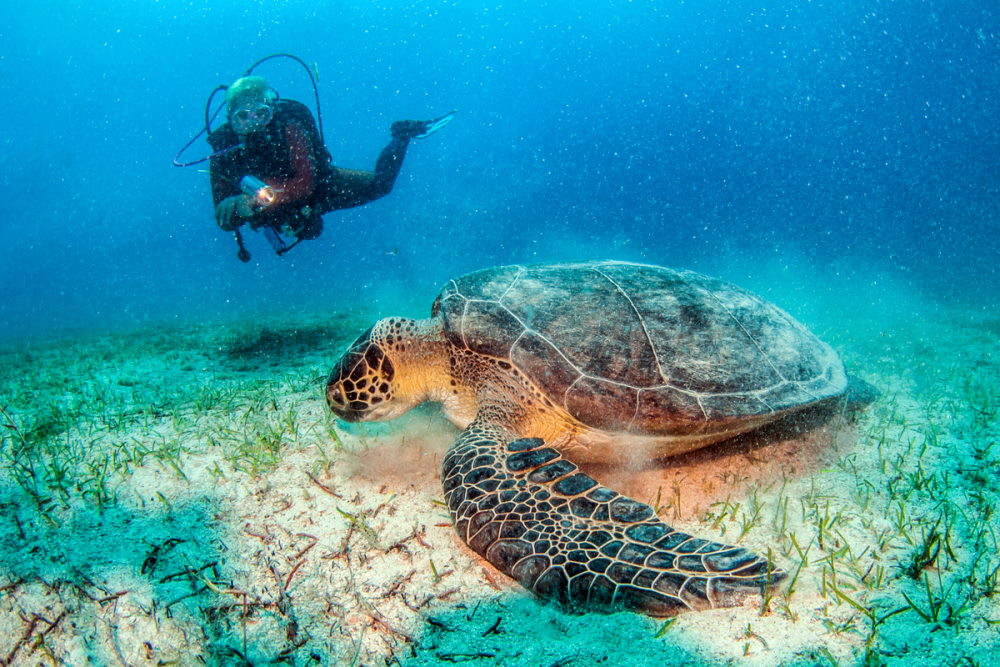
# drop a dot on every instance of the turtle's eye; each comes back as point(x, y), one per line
point(335, 397)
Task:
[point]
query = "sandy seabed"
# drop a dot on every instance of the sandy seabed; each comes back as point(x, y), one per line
point(182, 496)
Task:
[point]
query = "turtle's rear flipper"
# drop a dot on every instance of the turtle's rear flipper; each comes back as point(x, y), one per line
point(860, 394)
point(537, 518)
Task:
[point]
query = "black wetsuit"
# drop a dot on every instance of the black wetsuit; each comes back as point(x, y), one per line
point(289, 156)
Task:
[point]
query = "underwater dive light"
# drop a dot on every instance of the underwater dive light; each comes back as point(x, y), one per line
point(262, 193)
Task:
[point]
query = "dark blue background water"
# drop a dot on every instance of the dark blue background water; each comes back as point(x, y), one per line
point(836, 136)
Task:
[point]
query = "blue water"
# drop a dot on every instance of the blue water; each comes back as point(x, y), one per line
point(707, 135)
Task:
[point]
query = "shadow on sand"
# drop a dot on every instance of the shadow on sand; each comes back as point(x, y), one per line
point(135, 583)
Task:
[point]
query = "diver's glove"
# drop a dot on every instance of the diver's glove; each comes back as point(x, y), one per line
point(233, 211)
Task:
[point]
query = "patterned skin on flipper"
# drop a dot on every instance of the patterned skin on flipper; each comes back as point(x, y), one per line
point(537, 518)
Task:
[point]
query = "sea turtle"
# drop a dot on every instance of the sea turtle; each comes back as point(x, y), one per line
point(544, 364)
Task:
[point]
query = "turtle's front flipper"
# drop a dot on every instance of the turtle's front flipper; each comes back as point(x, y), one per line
point(537, 518)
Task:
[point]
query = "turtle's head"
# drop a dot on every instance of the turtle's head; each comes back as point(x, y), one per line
point(370, 382)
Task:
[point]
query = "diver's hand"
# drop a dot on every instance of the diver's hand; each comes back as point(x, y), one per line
point(225, 214)
point(233, 211)
point(408, 129)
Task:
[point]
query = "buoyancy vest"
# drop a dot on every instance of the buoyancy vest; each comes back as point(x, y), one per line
point(265, 153)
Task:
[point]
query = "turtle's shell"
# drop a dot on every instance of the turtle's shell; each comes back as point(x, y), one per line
point(642, 349)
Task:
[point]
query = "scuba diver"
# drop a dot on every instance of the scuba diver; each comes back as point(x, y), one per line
point(271, 169)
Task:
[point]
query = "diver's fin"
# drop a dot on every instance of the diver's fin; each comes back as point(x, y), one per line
point(436, 124)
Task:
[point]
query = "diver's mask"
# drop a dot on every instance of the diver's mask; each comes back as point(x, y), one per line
point(251, 117)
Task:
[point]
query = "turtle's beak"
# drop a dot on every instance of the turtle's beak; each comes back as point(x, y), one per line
point(336, 400)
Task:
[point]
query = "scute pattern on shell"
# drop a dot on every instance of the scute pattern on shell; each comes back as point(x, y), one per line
point(638, 348)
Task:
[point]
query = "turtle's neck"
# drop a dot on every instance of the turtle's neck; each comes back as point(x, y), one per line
point(424, 355)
